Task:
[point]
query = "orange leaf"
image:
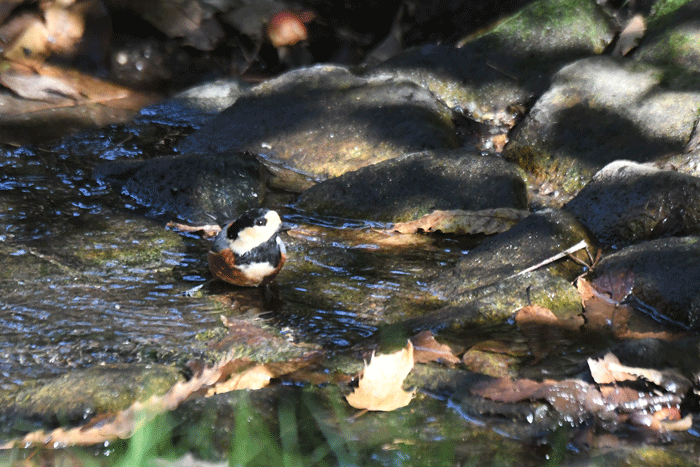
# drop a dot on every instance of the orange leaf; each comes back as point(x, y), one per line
point(427, 349)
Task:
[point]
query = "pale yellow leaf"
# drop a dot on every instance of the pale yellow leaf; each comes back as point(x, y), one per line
point(380, 387)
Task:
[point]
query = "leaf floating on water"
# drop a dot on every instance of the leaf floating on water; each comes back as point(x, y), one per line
point(427, 349)
point(380, 387)
point(608, 370)
point(458, 222)
point(357, 238)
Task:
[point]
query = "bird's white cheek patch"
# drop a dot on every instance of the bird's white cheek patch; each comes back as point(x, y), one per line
point(257, 271)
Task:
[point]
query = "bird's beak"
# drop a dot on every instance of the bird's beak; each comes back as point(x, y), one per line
point(284, 227)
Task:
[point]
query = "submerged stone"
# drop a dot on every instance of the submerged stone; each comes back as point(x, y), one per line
point(75, 396)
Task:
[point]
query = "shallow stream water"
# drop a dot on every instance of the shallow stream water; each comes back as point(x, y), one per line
point(90, 278)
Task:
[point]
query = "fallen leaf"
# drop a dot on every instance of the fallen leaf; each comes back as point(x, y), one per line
point(618, 285)
point(123, 424)
point(357, 238)
point(608, 370)
point(205, 231)
point(38, 87)
point(380, 386)
point(684, 424)
point(426, 349)
point(256, 377)
point(602, 313)
point(457, 222)
point(542, 329)
point(534, 315)
point(630, 36)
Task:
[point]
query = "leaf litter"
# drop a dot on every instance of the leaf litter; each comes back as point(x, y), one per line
point(611, 392)
point(380, 386)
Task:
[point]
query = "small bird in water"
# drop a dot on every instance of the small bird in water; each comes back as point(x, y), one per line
point(248, 251)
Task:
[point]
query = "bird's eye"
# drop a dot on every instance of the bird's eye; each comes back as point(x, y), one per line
point(260, 222)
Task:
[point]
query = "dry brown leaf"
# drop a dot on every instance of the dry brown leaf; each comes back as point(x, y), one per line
point(457, 222)
point(380, 387)
point(357, 238)
point(608, 370)
point(601, 312)
point(630, 36)
point(38, 87)
point(615, 284)
point(256, 377)
point(684, 424)
point(205, 231)
point(426, 349)
point(534, 315)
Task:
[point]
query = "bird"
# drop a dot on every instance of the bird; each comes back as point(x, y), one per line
point(248, 252)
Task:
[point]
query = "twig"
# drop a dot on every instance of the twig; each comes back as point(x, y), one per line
point(579, 246)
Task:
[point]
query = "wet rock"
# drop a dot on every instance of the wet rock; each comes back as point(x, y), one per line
point(627, 202)
point(508, 64)
point(194, 187)
point(598, 110)
point(485, 287)
point(195, 106)
point(666, 275)
point(408, 187)
point(532, 240)
point(672, 39)
point(682, 354)
point(78, 394)
point(497, 302)
point(324, 121)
